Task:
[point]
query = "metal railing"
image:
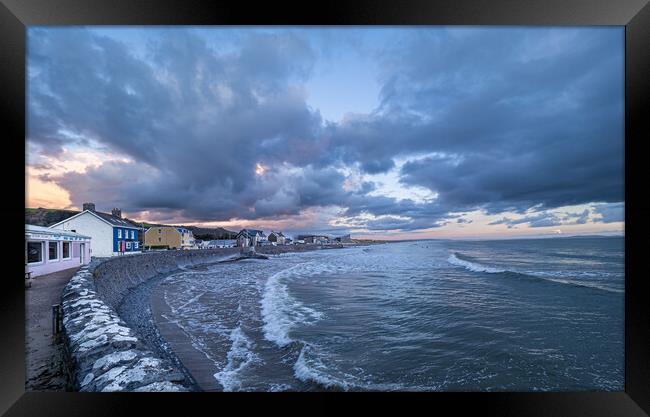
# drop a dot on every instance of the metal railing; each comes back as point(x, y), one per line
point(57, 319)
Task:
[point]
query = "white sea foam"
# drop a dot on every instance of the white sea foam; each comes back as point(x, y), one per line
point(574, 283)
point(472, 266)
point(315, 371)
point(240, 356)
point(553, 276)
point(279, 387)
point(280, 311)
point(311, 367)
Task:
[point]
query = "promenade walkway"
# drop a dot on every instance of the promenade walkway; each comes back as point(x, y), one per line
point(44, 355)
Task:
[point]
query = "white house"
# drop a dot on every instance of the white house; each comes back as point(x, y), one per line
point(48, 250)
point(277, 237)
point(221, 243)
point(250, 237)
point(111, 235)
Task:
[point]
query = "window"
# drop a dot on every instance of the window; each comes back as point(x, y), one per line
point(159, 231)
point(132, 234)
point(119, 233)
point(66, 250)
point(135, 245)
point(53, 253)
point(159, 240)
point(128, 245)
point(34, 252)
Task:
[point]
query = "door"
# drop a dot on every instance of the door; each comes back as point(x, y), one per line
point(82, 252)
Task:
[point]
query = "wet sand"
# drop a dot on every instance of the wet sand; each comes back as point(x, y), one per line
point(175, 338)
point(44, 354)
point(167, 337)
point(191, 358)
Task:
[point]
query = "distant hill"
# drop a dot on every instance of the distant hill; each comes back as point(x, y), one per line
point(202, 233)
point(47, 217)
point(209, 233)
point(593, 236)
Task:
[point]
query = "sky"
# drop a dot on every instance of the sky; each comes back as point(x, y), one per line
point(381, 132)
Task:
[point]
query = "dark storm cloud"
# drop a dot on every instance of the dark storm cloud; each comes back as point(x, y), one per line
point(502, 119)
point(514, 120)
point(546, 219)
point(196, 122)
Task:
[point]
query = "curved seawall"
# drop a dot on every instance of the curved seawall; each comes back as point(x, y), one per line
point(105, 353)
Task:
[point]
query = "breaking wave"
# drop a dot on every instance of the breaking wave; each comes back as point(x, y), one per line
point(316, 371)
point(280, 311)
point(240, 356)
point(472, 266)
point(559, 277)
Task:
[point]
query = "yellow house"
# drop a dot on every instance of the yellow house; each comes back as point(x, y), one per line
point(169, 237)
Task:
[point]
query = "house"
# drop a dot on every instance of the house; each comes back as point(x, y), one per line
point(277, 237)
point(110, 233)
point(343, 239)
point(203, 244)
point(169, 237)
point(222, 243)
point(250, 237)
point(49, 250)
point(314, 239)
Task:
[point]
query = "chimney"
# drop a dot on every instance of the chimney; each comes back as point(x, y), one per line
point(89, 206)
point(116, 212)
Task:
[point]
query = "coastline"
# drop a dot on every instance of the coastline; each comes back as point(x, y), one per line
point(141, 321)
point(167, 337)
point(112, 343)
point(103, 352)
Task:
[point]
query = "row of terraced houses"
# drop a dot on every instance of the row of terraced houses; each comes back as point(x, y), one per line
point(73, 241)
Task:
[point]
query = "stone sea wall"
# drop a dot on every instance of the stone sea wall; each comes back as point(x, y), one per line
point(104, 353)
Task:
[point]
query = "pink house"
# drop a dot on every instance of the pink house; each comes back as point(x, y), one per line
point(51, 250)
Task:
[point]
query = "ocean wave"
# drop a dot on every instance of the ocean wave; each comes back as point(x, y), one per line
point(558, 277)
point(310, 367)
point(473, 266)
point(240, 356)
point(315, 371)
point(280, 311)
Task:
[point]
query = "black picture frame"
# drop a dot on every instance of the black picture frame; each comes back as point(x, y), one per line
point(16, 15)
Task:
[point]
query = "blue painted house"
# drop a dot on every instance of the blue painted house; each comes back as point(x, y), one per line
point(111, 234)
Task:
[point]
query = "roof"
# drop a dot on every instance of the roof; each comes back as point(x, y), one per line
point(277, 233)
point(251, 232)
point(222, 242)
point(115, 221)
point(30, 228)
point(107, 218)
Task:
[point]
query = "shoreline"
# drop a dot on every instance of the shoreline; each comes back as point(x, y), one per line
point(112, 343)
point(142, 322)
point(167, 337)
point(103, 352)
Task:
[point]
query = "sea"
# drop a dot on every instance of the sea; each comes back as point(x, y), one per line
point(429, 315)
